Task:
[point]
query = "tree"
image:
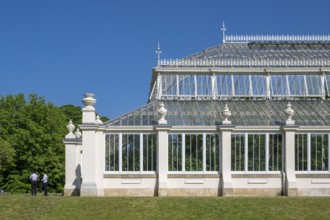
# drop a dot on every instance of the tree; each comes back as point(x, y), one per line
point(31, 134)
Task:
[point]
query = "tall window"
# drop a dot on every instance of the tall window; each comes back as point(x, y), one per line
point(149, 152)
point(112, 152)
point(256, 152)
point(130, 152)
point(174, 152)
point(237, 152)
point(275, 152)
point(253, 153)
point(312, 152)
point(193, 152)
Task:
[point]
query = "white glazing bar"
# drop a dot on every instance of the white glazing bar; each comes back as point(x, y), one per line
point(177, 85)
point(159, 86)
point(267, 152)
point(287, 85)
point(309, 152)
point(305, 85)
point(120, 152)
point(214, 85)
point(323, 84)
point(268, 85)
point(232, 85)
point(183, 155)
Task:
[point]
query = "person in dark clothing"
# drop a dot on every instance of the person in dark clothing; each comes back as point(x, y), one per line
point(44, 183)
point(34, 180)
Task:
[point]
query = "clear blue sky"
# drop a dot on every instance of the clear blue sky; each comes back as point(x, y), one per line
point(63, 49)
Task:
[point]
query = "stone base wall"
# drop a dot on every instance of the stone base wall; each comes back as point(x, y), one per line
point(314, 192)
point(189, 192)
point(130, 192)
point(257, 192)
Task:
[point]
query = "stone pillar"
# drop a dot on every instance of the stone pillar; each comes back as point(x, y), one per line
point(72, 167)
point(91, 150)
point(291, 188)
point(72, 162)
point(227, 186)
point(162, 158)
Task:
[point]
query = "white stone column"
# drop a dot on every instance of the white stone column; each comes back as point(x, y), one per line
point(91, 150)
point(291, 188)
point(72, 167)
point(227, 186)
point(162, 158)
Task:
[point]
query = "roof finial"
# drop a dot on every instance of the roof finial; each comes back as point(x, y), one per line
point(223, 29)
point(158, 53)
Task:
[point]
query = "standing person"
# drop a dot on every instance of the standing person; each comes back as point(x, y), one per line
point(34, 180)
point(44, 183)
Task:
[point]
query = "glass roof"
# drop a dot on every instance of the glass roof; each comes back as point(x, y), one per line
point(258, 54)
point(199, 85)
point(244, 113)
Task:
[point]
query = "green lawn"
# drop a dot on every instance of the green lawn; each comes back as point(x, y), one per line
point(59, 207)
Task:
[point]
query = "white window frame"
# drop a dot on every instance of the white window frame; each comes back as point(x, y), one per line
point(120, 153)
point(267, 171)
point(183, 156)
point(309, 153)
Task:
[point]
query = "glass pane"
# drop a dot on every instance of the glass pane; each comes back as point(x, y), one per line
point(194, 152)
point(237, 152)
point(327, 80)
point(279, 85)
point(242, 85)
point(319, 152)
point(314, 85)
point(169, 85)
point(175, 152)
point(297, 85)
point(131, 152)
point(275, 152)
point(111, 152)
point(212, 152)
point(204, 85)
point(149, 152)
point(256, 152)
point(187, 84)
point(224, 85)
point(259, 86)
point(301, 152)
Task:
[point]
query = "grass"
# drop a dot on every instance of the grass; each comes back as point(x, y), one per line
point(59, 207)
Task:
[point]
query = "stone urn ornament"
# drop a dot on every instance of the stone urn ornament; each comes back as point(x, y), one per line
point(70, 127)
point(162, 113)
point(226, 113)
point(289, 112)
point(89, 100)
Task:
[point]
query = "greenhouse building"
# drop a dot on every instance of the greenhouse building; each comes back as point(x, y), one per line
point(248, 117)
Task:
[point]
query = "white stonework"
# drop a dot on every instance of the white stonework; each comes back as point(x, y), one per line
point(162, 113)
point(289, 112)
point(226, 113)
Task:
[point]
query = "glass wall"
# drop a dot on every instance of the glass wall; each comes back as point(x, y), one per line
point(312, 152)
point(243, 85)
point(256, 152)
point(193, 152)
point(126, 152)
